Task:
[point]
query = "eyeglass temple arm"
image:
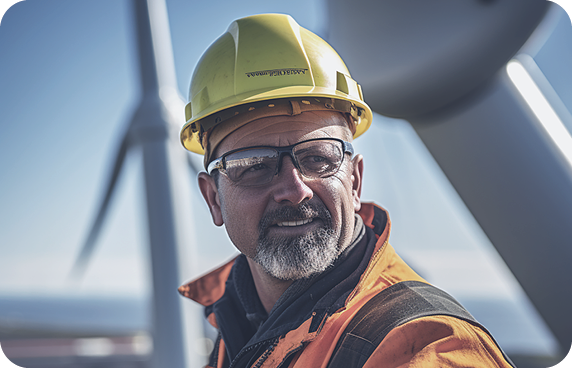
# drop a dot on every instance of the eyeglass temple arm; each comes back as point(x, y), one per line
point(348, 147)
point(214, 165)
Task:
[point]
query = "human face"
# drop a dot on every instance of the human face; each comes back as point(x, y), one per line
point(294, 226)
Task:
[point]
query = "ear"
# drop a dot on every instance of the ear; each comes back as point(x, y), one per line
point(210, 194)
point(357, 177)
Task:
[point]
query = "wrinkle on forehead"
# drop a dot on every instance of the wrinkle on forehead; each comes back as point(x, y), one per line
point(287, 130)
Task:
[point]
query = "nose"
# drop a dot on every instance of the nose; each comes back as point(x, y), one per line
point(289, 185)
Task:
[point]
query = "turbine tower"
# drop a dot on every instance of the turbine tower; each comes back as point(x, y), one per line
point(153, 129)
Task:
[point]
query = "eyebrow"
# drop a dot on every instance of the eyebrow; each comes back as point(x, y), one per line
point(302, 150)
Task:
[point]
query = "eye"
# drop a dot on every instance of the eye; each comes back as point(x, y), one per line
point(248, 171)
point(317, 164)
point(252, 170)
point(257, 167)
point(317, 159)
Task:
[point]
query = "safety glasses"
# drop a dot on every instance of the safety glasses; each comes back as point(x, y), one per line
point(254, 166)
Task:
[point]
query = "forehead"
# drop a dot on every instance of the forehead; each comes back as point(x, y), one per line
point(287, 130)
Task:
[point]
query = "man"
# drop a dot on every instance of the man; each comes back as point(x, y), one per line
point(274, 110)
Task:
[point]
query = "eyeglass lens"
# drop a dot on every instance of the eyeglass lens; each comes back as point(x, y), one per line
point(257, 166)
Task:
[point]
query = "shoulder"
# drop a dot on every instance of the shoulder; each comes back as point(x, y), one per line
point(437, 341)
point(415, 324)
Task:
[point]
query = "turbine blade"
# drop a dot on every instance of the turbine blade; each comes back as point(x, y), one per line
point(84, 256)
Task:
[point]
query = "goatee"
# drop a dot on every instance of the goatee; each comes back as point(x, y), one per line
point(300, 256)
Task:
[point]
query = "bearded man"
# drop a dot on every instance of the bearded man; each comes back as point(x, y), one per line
point(274, 110)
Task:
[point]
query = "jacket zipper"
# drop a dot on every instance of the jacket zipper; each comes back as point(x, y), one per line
point(268, 351)
point(264, 355)
point(215, 350)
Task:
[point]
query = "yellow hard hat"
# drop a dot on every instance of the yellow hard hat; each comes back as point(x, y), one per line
point(268, 59)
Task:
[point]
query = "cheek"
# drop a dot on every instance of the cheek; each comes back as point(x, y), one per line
point(241, 214)
point(337, 196)
point(240, 206)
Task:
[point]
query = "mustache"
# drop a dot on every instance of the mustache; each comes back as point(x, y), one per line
point(305, 210)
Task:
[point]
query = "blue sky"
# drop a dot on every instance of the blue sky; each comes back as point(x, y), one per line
point(68, 86)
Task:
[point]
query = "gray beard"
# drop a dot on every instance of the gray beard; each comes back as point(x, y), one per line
point(297, 257)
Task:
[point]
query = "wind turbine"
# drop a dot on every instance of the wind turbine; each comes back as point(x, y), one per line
point(154, 129)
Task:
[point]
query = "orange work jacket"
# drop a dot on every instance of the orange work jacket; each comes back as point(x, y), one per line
point(433, 341)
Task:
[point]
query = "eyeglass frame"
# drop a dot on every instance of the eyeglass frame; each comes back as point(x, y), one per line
point(219, 163)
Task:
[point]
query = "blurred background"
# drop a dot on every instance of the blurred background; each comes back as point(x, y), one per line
point(472, 177)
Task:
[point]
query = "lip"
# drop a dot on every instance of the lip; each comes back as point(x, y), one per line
point(285, 228)
point(294, 223)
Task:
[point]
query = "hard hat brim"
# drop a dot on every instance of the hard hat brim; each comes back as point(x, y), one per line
point(190, 131)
